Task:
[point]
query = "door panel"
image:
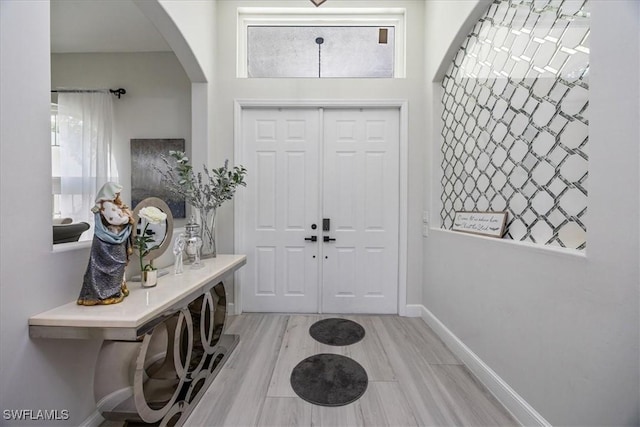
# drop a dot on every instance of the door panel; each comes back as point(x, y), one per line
point(358, 179)
point(282, 159)
point(361, 188)
point(265, 169)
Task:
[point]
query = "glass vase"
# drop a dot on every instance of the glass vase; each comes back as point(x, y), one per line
point(207, 221)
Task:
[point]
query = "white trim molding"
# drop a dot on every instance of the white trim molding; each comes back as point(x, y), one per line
point(511, 400)
point(402, 106)
point(231, 308)
point(413, 310)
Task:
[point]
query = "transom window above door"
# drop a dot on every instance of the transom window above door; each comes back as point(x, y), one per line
point(332, 43)
point(320, 51)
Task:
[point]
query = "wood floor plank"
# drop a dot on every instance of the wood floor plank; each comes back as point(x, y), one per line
point(370, 352)
point(432, 349)
point(237, 395)
point(338, 416)
point(370, 407)
point(382, 405)
point(297, 345)
point(285, 412)
point(394, 404)
point(470, 400)
point(262, 357)
point(415, 376)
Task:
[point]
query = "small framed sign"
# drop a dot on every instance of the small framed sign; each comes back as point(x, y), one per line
point(490, 224)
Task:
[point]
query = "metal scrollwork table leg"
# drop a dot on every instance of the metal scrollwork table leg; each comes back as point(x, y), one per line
point(161, 377)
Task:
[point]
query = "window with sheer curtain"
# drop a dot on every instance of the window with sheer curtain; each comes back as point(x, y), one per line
point(81, 153)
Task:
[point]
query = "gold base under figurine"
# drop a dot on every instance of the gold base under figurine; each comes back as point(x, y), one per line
point(124, 292)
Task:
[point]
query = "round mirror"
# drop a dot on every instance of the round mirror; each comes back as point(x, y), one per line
point(161, 233)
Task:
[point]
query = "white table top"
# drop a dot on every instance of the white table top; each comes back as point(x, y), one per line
point(143, 304)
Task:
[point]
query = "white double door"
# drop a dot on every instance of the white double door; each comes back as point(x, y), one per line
point(310, 167)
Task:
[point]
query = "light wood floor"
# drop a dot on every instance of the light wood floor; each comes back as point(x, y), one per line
point(414, 380)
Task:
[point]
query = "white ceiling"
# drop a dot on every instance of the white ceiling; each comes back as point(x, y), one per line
point(102, 26)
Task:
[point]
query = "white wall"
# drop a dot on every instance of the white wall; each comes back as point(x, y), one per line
point(230, 88)
point(40, 374)
point(157, 103)
point(560, 329)
point(194, 45)
point(36, 374)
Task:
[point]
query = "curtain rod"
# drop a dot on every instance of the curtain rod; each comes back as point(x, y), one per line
point(117, 92)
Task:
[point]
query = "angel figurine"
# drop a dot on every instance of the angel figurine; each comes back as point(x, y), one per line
point(104, 281)
point(178, 247)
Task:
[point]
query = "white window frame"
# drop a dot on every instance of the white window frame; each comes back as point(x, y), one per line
point(55, 180)
point(364, 17)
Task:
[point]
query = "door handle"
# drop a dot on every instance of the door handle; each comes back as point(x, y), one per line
point(311, 239)
point(327, 239)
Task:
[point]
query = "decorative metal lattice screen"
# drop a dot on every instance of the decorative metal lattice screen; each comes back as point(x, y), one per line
point(515, 122)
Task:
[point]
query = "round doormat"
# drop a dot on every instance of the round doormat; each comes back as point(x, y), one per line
point(336, 331)
point(329, 380)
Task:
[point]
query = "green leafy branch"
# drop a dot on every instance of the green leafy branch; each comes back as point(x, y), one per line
point(142, 241)
point(201, 190)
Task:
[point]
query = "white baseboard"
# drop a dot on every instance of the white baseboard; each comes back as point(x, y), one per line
point(511, 400)
point(414, 310)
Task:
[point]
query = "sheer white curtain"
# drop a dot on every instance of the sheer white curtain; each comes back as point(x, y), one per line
point(85, 129)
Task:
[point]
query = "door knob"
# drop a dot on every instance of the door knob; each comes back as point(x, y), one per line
point(311, 239)
point(327, 239)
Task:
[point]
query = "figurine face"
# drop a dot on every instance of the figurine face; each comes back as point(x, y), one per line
point(114, 214)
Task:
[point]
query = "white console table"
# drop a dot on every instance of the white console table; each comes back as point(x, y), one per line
point(162, 347)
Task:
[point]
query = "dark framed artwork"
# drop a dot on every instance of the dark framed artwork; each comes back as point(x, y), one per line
point(145, 179)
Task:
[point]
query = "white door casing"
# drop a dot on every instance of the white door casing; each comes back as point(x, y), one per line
point(357, 181)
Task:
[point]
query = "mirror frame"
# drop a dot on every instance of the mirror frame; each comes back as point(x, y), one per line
point(168, 237)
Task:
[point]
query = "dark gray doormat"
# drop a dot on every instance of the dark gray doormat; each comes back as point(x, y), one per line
point(329, 380)
point(336, 331)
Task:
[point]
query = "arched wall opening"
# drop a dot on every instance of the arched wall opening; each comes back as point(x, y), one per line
point(200, 78)
point(513, 112)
